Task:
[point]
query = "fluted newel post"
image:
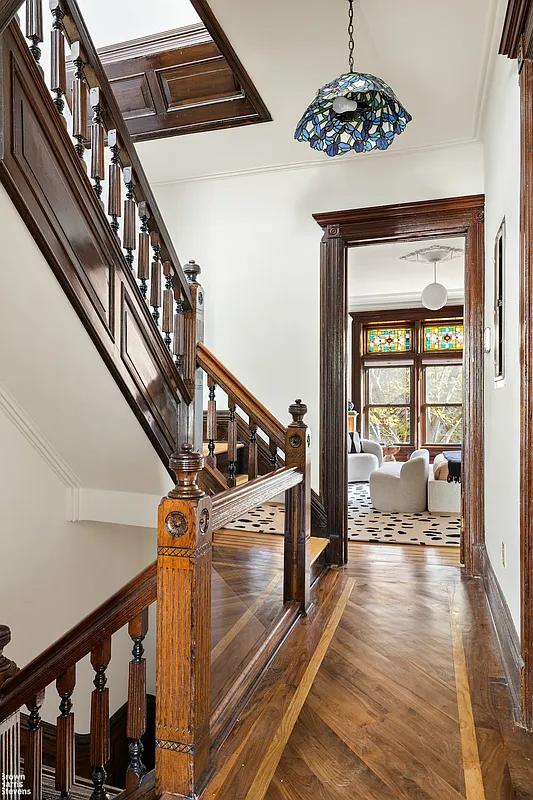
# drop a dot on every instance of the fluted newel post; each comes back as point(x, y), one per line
point(194, 333)
point(183, 631)
point(9, 728)
point(298, 510)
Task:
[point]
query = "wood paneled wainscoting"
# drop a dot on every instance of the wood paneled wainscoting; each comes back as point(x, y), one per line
point(458, 216)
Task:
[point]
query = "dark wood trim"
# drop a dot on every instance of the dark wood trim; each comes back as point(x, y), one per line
point(526, 387)
point(397, 315)
point(518, 21)
point(456, 216)
point(8, 9)
point(203, 9)
point(508, 638)
point(239, 500)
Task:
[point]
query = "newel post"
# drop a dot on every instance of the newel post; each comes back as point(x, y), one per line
point(194, 333)
point(9, 729)
point(183, 630)
point(296, 584)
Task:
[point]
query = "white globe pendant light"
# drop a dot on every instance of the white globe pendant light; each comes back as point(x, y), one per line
point(435, 295)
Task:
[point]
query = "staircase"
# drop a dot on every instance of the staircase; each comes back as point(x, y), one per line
point(70, 167)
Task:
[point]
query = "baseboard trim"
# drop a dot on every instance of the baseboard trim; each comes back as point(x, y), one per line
point(508, 640)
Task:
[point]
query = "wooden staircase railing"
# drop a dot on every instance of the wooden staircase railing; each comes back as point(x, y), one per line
point(129, 606)
point(70, 167)
point(180, 581)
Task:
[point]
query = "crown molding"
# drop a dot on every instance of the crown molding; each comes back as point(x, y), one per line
point(326, 163)
point(27, 427)
point(383, 302)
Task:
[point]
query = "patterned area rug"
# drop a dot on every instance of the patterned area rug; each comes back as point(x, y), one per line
point(365, 524)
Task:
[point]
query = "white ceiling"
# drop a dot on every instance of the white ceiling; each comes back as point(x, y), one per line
point(122, 20)
point(378, 277)
point(433, 54)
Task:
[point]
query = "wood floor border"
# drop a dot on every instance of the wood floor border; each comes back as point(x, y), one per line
point(469, 746)
point(276, 747)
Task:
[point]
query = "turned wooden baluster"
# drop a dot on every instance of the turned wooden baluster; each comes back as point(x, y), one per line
point(99, 749)
point(167, 325)
point(211, 423)
point(34, 26)
point(232, 443)
point(129, 217)
point(9, 727)
point(33, 754)
point(58, 78)
point(80, 92)
point(296, 574)
point(65, 767)
point(136, 723)
point(114, 199)
point(97, 142)
point(252, 451)
point(184, 558)
point(272, 446)
point(179, 333)
point(155, 281)
point(143, 262)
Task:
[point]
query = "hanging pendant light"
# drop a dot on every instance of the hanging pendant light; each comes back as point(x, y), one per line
point(354, 112)
point(434, 295)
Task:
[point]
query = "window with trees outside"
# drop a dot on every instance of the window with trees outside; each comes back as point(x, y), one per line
point(408, 378)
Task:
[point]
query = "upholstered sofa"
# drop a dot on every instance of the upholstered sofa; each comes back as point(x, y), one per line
point(443, 497)
point(361, 465)
point(401, 487)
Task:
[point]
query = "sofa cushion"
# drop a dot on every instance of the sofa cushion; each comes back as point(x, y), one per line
point(354, 442)
point(440, 467)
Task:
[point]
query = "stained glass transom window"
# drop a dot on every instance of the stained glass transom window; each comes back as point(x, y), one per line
point(443, 337)
point(390, 340)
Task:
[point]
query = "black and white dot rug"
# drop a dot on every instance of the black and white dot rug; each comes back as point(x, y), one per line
point(365, 524)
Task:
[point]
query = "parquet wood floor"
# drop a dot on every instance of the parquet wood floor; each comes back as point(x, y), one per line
point(391, 687)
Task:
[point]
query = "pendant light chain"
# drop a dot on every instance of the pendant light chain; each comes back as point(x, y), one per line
point(351, 45)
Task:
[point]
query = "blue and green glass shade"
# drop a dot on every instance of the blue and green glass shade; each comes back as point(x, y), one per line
point(354, 112)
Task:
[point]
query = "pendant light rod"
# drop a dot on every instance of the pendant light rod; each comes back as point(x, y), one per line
point(351, 42)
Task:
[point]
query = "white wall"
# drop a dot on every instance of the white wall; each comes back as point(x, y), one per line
point(53, 573)
point(258, 245)
point(501, 134)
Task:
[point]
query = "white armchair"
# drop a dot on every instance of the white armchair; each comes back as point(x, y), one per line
point(398, 487)
point(361, 465)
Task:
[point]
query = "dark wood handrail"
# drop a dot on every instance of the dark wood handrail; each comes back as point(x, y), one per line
point(76, 30)
point(242, 396)
point(8, 9)
point(233, 503)
point(79, 641)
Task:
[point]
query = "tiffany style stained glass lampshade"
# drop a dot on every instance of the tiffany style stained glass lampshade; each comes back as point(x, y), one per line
point(354, 112)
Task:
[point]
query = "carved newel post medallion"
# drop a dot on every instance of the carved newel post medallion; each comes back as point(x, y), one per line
point(183, 630)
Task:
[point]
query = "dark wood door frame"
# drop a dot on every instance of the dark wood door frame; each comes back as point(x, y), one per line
point(458, 216)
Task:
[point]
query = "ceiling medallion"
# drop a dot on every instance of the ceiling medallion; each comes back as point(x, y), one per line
point(354, 112)
point(434, 295)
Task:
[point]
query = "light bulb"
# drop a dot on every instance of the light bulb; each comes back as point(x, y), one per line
point(434, 296)
point(343, 104)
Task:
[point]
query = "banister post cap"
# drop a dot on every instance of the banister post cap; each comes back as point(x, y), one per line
point(192, 270)
point(298, 410)
point(186, 464)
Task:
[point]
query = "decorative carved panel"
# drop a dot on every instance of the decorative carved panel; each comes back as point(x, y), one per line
point(180, 82)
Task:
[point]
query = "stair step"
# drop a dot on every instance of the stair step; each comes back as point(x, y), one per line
point(220, 447)
point(316, 546)
point(240, 479)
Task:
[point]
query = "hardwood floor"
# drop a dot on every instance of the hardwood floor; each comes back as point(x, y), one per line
point(391, 687)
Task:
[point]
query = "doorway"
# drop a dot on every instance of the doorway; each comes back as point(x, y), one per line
point(417, 223)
